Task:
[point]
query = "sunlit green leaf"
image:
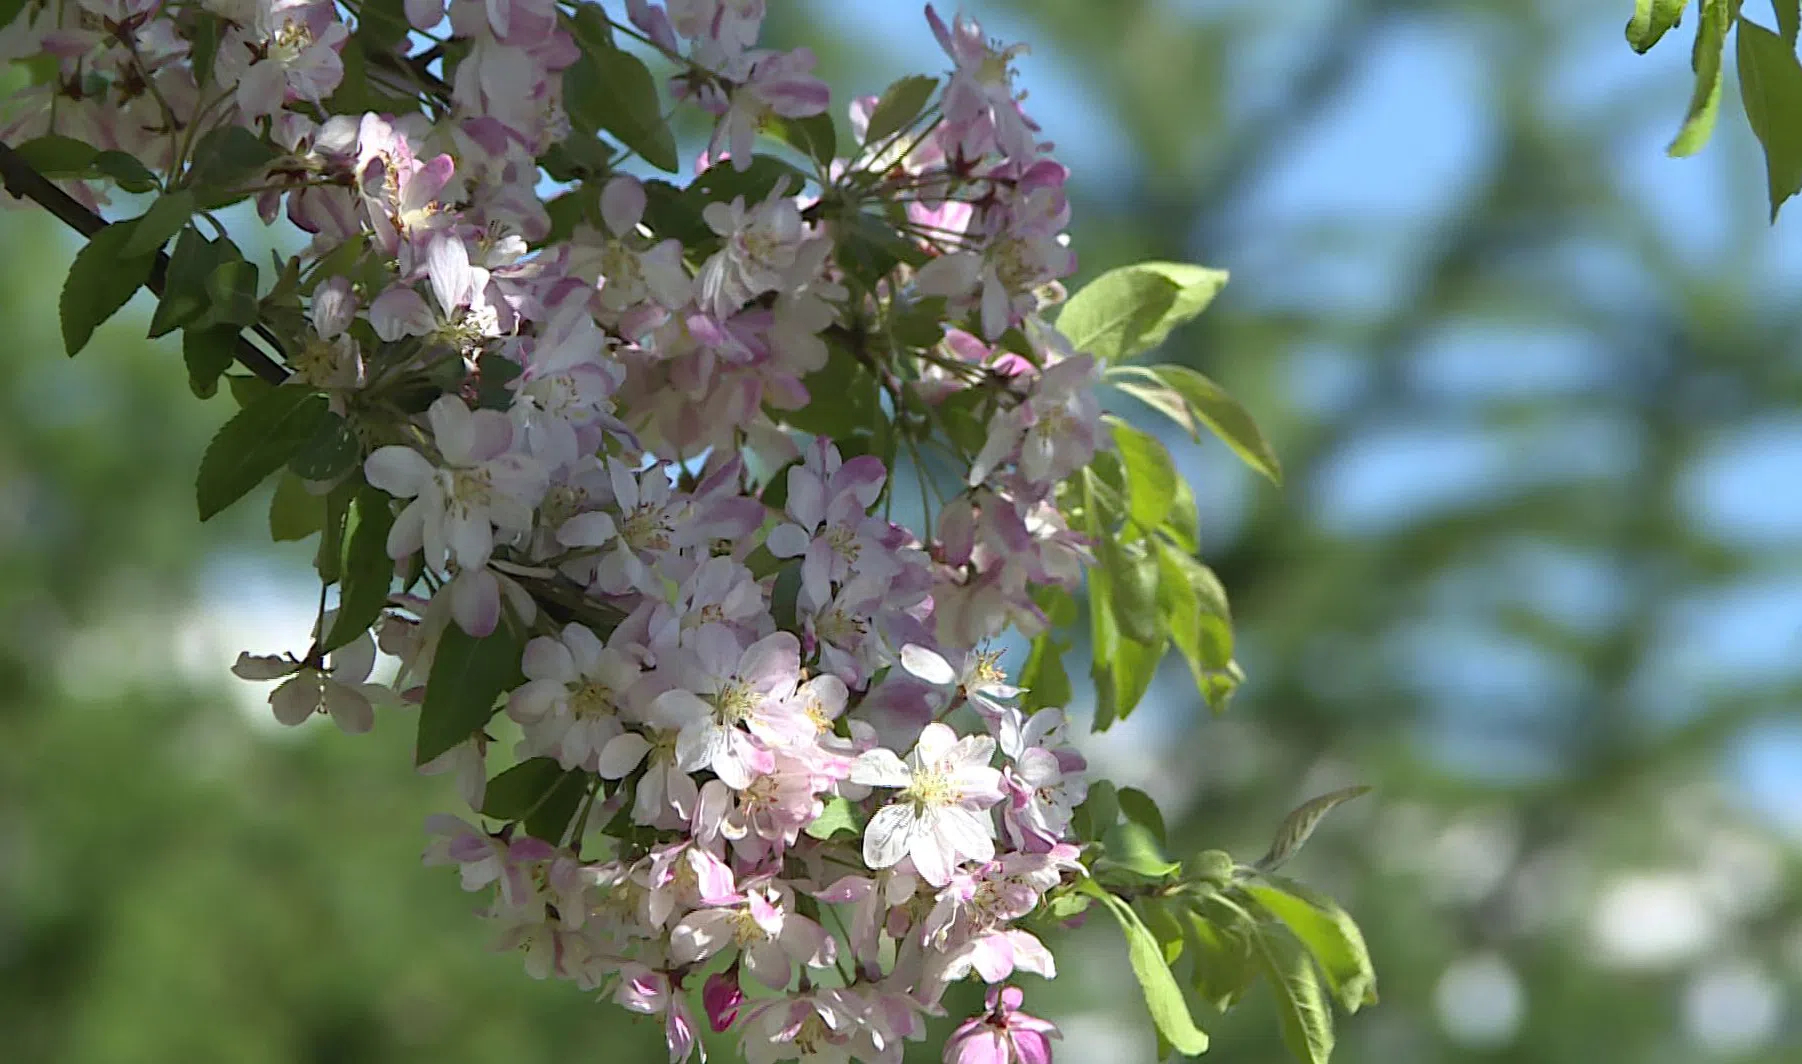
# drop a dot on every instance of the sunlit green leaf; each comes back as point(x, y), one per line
point(1150, 474)
point(1302, 1012)
point(1163, 997)
point(1141, 810)
point(1705, 59)
point(838, 816)
point(1222, 413)
point(1651, 18)
point(1328, 932)
point(1770, 84)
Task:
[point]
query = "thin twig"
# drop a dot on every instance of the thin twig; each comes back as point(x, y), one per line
point(22, 180)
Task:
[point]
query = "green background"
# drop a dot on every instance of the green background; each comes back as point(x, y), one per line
point(1536, 575)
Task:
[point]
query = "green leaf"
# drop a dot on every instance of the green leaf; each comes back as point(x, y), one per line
point(1141, 810)
point(1043, 676)
point(185, 296)
point(613, 90)
point(468, 675)
point(1164, 926)
point(1221, 958)
point(1163, 997)
point(57, 156)
point(551, 820)
point(124, 170)
point(256, 442)
point(1150, 474)
point(1193, 606)
point(839, 816)
point(1770, 84)
point(227, 159)
point(853, 398)
point(232, 293)
point(1132, 581)
point(1134, 666)
point(1789, 19)
point(1143, 384)
point(813, 136)
point(1302, 1013)
point(1651, 18)
point(1328, 932)
point(1183, 523)
point(367, 574)
point(332, 452)
point(328, 559)
point(520, 789)
point(1222, 414)
point(294, 512)
point(1705, 60)
point(1134, 308)
point(1114, 316)
point(1300, 824)
point(1098, 813)
point(208, 353)
point(101, 280)
point(900, 104)
point(1131, 846)
point(164, 219)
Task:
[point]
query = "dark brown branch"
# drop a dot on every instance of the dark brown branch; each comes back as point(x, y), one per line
point(22, 180)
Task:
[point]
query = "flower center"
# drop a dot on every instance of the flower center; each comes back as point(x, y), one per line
point(736, 702)
point(843, 542)
point(646, 528)
point(590, 699)
point(471, 489)
point(560, 504)
point(988, 668)
point(288, 42)
point(816, 712)
point(317, 362)
point(813, 1035)
point(745, 929)
point(930, 787)
point(839, 628)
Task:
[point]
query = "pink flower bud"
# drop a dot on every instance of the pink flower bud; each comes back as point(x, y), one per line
point(721, 997)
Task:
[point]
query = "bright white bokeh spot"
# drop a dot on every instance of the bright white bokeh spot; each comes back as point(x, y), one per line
point(1102, 1036)
point(1651, 920)
point(1471, 856)
point(1732, 1007)
point(1480, 1001)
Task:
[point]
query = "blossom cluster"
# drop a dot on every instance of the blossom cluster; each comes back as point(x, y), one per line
point(606, 435)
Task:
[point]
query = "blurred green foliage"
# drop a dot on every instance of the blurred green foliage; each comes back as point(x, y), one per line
point(179, 882)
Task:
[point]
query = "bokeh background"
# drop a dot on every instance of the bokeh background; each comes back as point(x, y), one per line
point(1536, 576)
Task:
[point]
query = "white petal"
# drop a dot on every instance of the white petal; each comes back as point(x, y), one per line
point(399, 471)
point(262, 667)
point(965, 832)
point(700, 935)
point(880, 768)
point(888, 836)
point(621, 755)
point(936, 740)
point(927, 664)
point(299, 698)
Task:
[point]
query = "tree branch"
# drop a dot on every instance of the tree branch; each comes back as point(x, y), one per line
point(22, 180)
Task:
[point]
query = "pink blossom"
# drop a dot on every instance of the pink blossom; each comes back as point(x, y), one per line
point(1004, 1036)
